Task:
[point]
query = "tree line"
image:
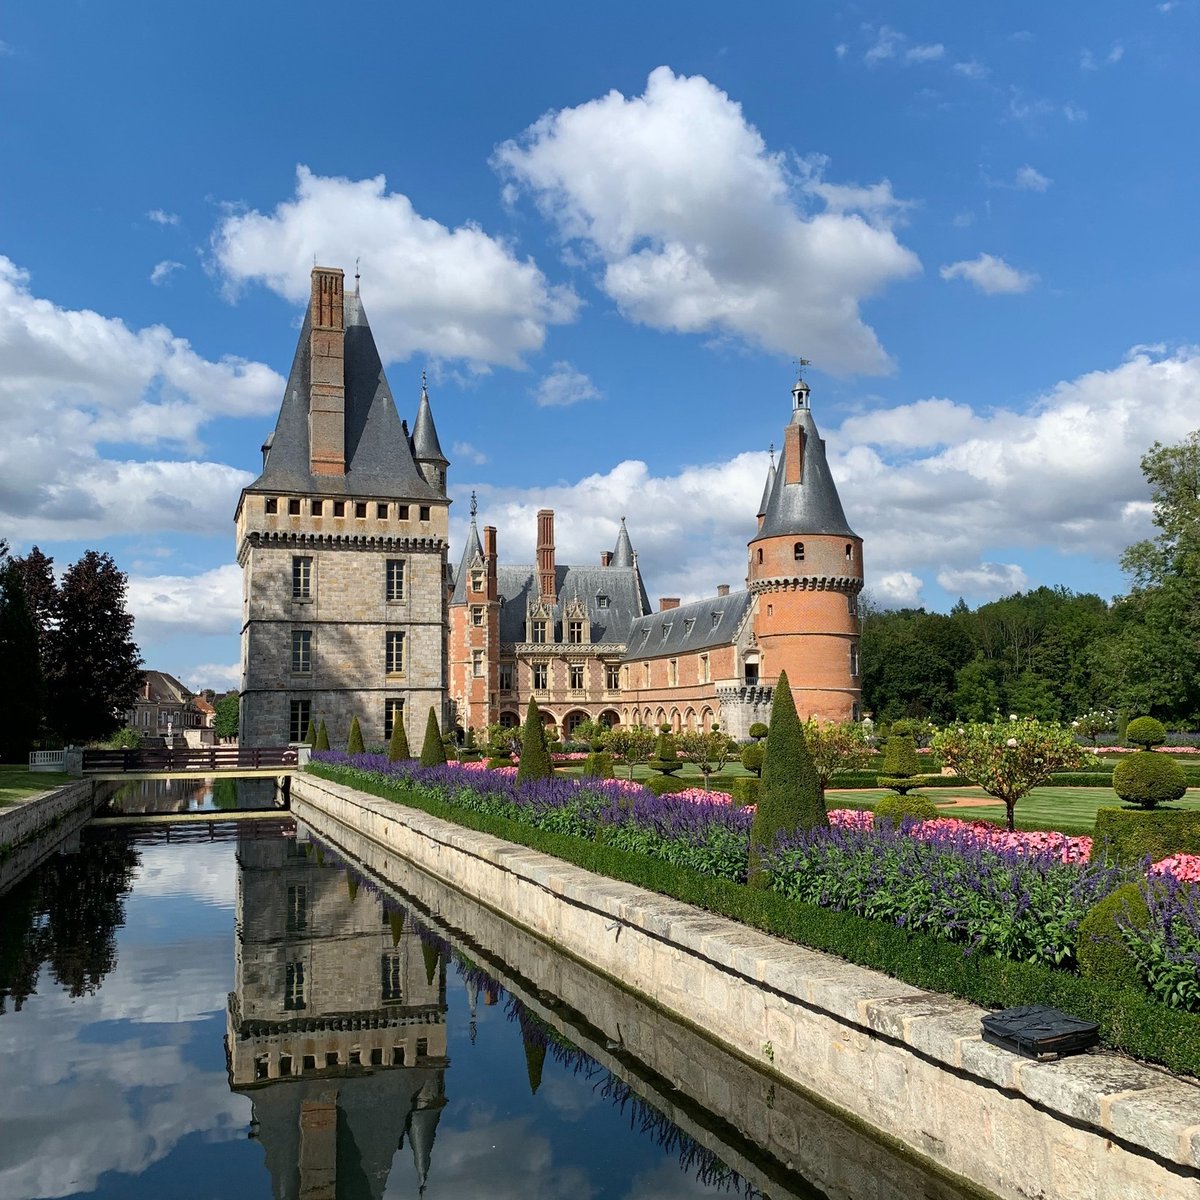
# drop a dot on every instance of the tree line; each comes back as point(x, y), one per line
point(67, 657)
point(1057, 654)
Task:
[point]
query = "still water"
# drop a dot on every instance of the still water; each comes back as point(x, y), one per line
point(229, 1011)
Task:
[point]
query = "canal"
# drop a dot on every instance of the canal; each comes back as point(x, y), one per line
point(242, 1009)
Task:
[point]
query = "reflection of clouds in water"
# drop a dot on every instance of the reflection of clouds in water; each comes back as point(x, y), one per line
point(669, 1181)
point(570, 1097)
point(61, 1140)
point(203, 871)
point(502, 1160)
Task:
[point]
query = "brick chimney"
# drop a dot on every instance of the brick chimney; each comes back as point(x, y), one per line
point(666, 603)
point(489, 560)
point(327, 374)
point(793, 454)
point(606, 558)
point(547, 583)
point(722, 589)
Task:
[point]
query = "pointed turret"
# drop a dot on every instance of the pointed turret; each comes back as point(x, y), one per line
point(472, 554)
point(623, 554)
point(421, 1130)
point(766, 496)
point(427, 450)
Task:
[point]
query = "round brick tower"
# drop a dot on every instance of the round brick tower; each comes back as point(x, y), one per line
point(806, 571)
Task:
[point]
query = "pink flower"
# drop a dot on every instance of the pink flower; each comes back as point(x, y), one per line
point(1185, 867)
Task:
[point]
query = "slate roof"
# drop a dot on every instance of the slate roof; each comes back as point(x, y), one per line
point(471, 549)
point(379, 460)
point(426, 446)
point(623, 554)
point(766, 496)
point(700, 625)
point(623, 586)
point(811, 506)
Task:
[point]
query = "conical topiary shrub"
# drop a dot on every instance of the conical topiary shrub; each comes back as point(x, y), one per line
point(433, 752)
point(900, 765)
point(430, 953)
point(789, 797)
point(535, 1060)
point(310, 734)
point(396, 925)
point(666, 758)
point(398, 746)
point(535, 758)
point(322, 742)
point(354, 743)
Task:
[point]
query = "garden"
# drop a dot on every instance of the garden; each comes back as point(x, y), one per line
point(1103, 923)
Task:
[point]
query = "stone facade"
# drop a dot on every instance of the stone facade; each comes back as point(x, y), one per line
point(342, 543)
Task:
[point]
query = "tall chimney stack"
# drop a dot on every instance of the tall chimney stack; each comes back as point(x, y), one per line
point(666, 603)
point(793, 454)
point(606, 558)
point(547, 583)
point(489, 560)
point(327, 373)
point(722, 589)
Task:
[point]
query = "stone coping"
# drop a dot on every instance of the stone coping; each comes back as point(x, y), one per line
point(28, 816)
point(1147, 1108)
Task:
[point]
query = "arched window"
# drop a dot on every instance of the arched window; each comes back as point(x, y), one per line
point(849, 551)
point(760, 554)
point(798, 551)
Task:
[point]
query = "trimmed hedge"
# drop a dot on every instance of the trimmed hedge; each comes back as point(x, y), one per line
point(897, 808)
point(662, 785)
point(1149, 779)
point(1099, 947)
point(1129, 834)
point(598, 765)
point(869, 779)
point(1130, 1021)
point(745, 790)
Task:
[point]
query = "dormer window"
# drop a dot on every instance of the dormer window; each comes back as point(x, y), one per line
point(477, 580)
point(601, 601)
point(645, 636)
point(798, 551)
point(575, 632)
point(687, 626)
point(716, 618)
point(538, 632)
point(666, 630)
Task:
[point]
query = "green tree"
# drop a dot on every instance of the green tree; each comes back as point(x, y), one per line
point(398, 744)
point(226, 711)
point(322, 742)
point(433, 749)
point(310, 734)
point(707, 752)
point(535, 758)
point(899, 767)
point(789, 797)
point(632, 743)
point(20, 667)
point(354, 743)
point(835, 748)
point(95, 669)
point(1009, 758)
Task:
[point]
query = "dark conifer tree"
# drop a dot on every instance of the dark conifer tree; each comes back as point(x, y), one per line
point(354, 743)
point(433, 749)
point(20, 667)
point(535, 758)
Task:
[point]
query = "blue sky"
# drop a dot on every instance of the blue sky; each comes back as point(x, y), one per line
point(606, 232)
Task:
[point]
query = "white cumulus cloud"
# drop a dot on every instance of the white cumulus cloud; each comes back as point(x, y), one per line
point(895, 589)
point(208, 603)
point(563, 386)
point(696, 226)
point(990, 275)
point(164, 270)
point(1029, 179)
point(450, 293)
point(986, 581)
point(161, 217)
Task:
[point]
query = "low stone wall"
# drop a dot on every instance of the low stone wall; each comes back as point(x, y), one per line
point(909, 1063)
point(32, 816)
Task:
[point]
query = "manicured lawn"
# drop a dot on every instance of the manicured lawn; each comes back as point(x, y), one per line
point(17, 782)
point(730, 772)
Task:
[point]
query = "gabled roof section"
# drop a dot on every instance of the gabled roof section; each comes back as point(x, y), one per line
point(379, 461)
point(426, 447)
point(811, 506)
point(714, 621)
point(624, 599)
point(472, 552)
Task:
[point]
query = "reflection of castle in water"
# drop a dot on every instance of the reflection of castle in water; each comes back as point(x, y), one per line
point(336, 1027)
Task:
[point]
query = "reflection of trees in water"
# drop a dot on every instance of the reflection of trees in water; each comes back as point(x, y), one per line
point(66, 915)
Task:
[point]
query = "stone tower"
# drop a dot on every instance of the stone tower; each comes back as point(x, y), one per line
point(805, 573)
point(475, 633)
point(342, 543)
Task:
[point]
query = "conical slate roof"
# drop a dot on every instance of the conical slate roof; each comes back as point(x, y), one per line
point(472, 549)
point(811, 506)
point(426, 447)
point(379, 461)
point(623, 554)
point(766, 496)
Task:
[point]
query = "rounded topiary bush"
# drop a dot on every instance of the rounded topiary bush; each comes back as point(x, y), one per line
point(897, 808)
point(758, 731)
point(752, 757)
point(666, 759)
point(899, 765)
point(598, 765)
point(663, 785)
point(1145, 732)
point(1148, 778)
point(1100, 947)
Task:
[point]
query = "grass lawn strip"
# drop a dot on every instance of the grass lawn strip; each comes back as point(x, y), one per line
point(19, 782)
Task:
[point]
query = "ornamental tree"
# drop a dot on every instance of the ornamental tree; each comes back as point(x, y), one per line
point(1092, 724)
point(1009, 758)
point(398, 743)
point(632, 743)
point(354, 743)
point(837, 747)
point(707, 752)
point(535, 757)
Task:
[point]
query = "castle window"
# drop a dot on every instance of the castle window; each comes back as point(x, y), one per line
point(687, 625)
point(645, 636)
point(506, 676)
point(271, 505)
point(392, 972)
point(301, 653)
point(293, 508)
point(297, 908)
point(317, 508)
point(760, 555)
point(293, 986)
point(646, 675)
point(339, 508)
point(716, 618)
point(393, 712)
point(424, 512)
point(612, 678)
point(402, 512)
point(395, 653)
point(477, 580)
point(575, 632)
point(798, 551)
point(853, 660)
point(541, 673)
point(576, 676)
point(476, 614)
point(770, 610)
point(601, 601)
point(441, 478)
point(705, 674)
point(852, 604)
point(849, 551)
point(395, 579)
point(381, 511)
point(299, 715)
point(673, 672)
point(360, 510)
point(538, 633)
point(302, 577)
point(477, 663)
point(666, 630)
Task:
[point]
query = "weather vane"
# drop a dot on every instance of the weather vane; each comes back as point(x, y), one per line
point(474, 504)
point(800, 364)
point(423, 379)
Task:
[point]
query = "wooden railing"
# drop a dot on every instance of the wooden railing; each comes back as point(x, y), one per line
point(205, 758)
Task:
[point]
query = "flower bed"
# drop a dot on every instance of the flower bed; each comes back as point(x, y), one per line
point(1018, 896)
